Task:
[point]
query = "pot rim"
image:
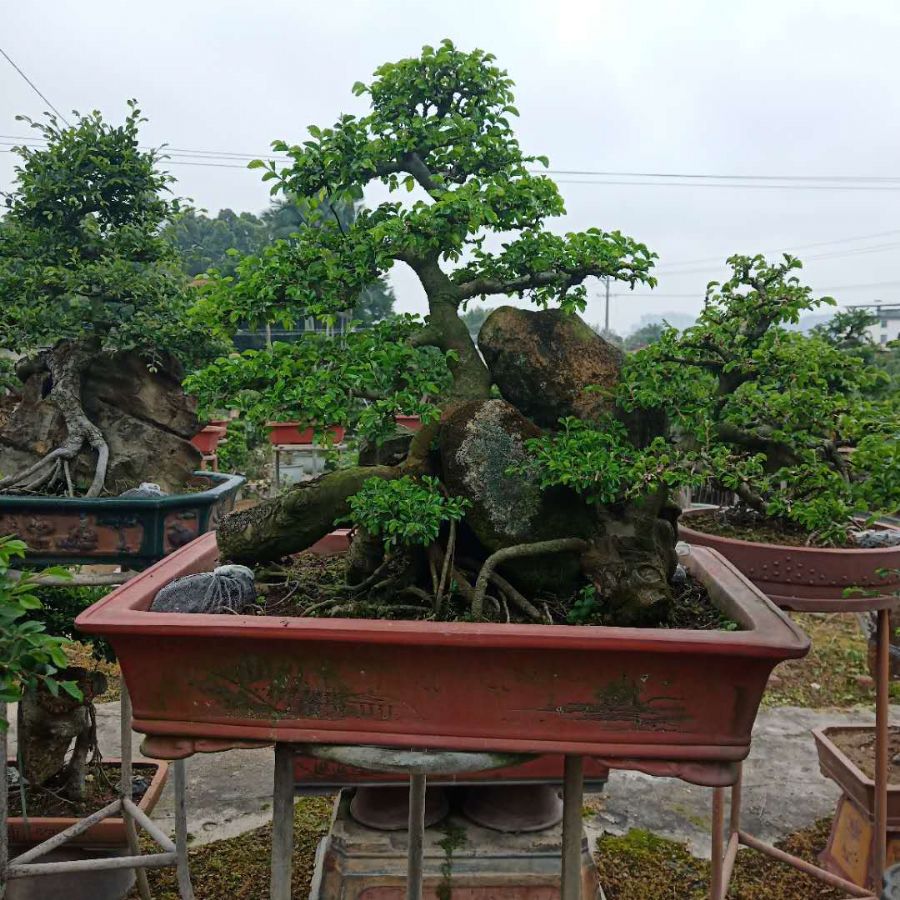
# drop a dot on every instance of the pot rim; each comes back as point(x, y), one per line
point(687, 531)
point(222, 483)
point(60, 823)
point(767, 632)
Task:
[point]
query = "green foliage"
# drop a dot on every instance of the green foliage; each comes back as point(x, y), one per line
point(60, 606)
point(82, 254)
point(29, 656)
point(438, 134)
point(405, 511)
point(362, 378)
point(585, 607)
point(765, 411)
point(598, 460)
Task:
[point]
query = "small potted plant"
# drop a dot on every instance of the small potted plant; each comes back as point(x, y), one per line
point(768, 414)
point(96, 311)
point(57, 773)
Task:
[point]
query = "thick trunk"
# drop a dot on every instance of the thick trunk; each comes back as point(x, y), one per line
point(296, 520)
point(48, 726)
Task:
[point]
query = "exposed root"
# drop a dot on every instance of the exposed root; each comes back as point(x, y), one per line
point(66, 363)
point(517, 551)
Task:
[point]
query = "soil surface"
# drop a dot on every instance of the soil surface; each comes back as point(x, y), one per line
point(859, 745)
point(317, 586)
point(730, 524)
point(102, 788)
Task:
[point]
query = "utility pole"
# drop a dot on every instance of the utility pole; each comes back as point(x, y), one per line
point(606, 317)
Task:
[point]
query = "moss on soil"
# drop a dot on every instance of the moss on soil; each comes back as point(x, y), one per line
point(642, 866)
point(238, 869)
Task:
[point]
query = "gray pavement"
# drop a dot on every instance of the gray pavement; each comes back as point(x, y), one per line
point(229, 793)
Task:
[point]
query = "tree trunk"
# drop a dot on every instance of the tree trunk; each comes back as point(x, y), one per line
point(295, 520)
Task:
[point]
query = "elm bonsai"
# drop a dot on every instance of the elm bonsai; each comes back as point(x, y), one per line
point(798, 426)
point(439, 127)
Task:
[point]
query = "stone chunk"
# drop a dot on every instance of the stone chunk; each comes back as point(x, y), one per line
point(227, 589)
point(549, 364)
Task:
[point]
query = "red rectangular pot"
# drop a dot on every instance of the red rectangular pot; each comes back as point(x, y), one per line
point(413, 423)
point(836, 765)
point(108, 833)
point(207, 440)
point(805, 578)
point(291, 433)
point(621, 692)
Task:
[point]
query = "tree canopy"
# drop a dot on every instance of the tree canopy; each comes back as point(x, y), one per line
point(439, 132)
point(82, 255)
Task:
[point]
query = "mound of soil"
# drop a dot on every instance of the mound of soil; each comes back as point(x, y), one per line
point(859, 745)
point(102, 788)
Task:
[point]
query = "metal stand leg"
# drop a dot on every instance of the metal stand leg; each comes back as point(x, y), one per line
point(716, 888)
point(573, 794)
point(882, 691)
point(125, 787)
point(277, 470)
point(282, 822)
point(181, 863)
point(416, 851)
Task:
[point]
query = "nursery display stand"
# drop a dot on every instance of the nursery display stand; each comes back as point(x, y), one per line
point(418, 765)
point(724, 853)
point(172, 854)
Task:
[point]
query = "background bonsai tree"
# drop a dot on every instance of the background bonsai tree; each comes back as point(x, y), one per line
point(85, 271)
point(766, 412)
point(469, 218)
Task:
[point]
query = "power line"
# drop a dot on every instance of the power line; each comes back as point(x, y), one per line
point(33, 86)
point(827, 287)
point(847, 240)
point(800, 182)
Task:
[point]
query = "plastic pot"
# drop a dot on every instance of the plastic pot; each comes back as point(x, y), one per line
point(214, 681)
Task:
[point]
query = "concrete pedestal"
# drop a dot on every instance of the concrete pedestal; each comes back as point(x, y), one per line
point(462, 860)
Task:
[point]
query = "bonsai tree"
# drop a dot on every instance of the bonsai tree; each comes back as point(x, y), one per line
point(85, 271)
point(766, 412)
point(469, 218)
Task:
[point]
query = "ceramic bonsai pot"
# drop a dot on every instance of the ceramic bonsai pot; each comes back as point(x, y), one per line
point(132, 532)
point(803, 578)
point(104, 840)
point(292, 433)
point(207, 439)
point(849, 849)
point(217, 680)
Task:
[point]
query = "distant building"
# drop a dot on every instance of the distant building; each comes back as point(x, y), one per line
point(887, 328)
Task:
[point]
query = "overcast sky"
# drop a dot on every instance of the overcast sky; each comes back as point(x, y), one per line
point(786, 88)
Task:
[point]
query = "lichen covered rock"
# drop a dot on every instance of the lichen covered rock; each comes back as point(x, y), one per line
point(549, 363)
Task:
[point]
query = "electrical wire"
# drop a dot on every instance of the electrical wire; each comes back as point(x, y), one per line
point(33, 86)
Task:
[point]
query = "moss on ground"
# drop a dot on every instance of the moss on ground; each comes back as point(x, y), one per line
point(642, 866)
point(833, 674)
point(238, 868)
